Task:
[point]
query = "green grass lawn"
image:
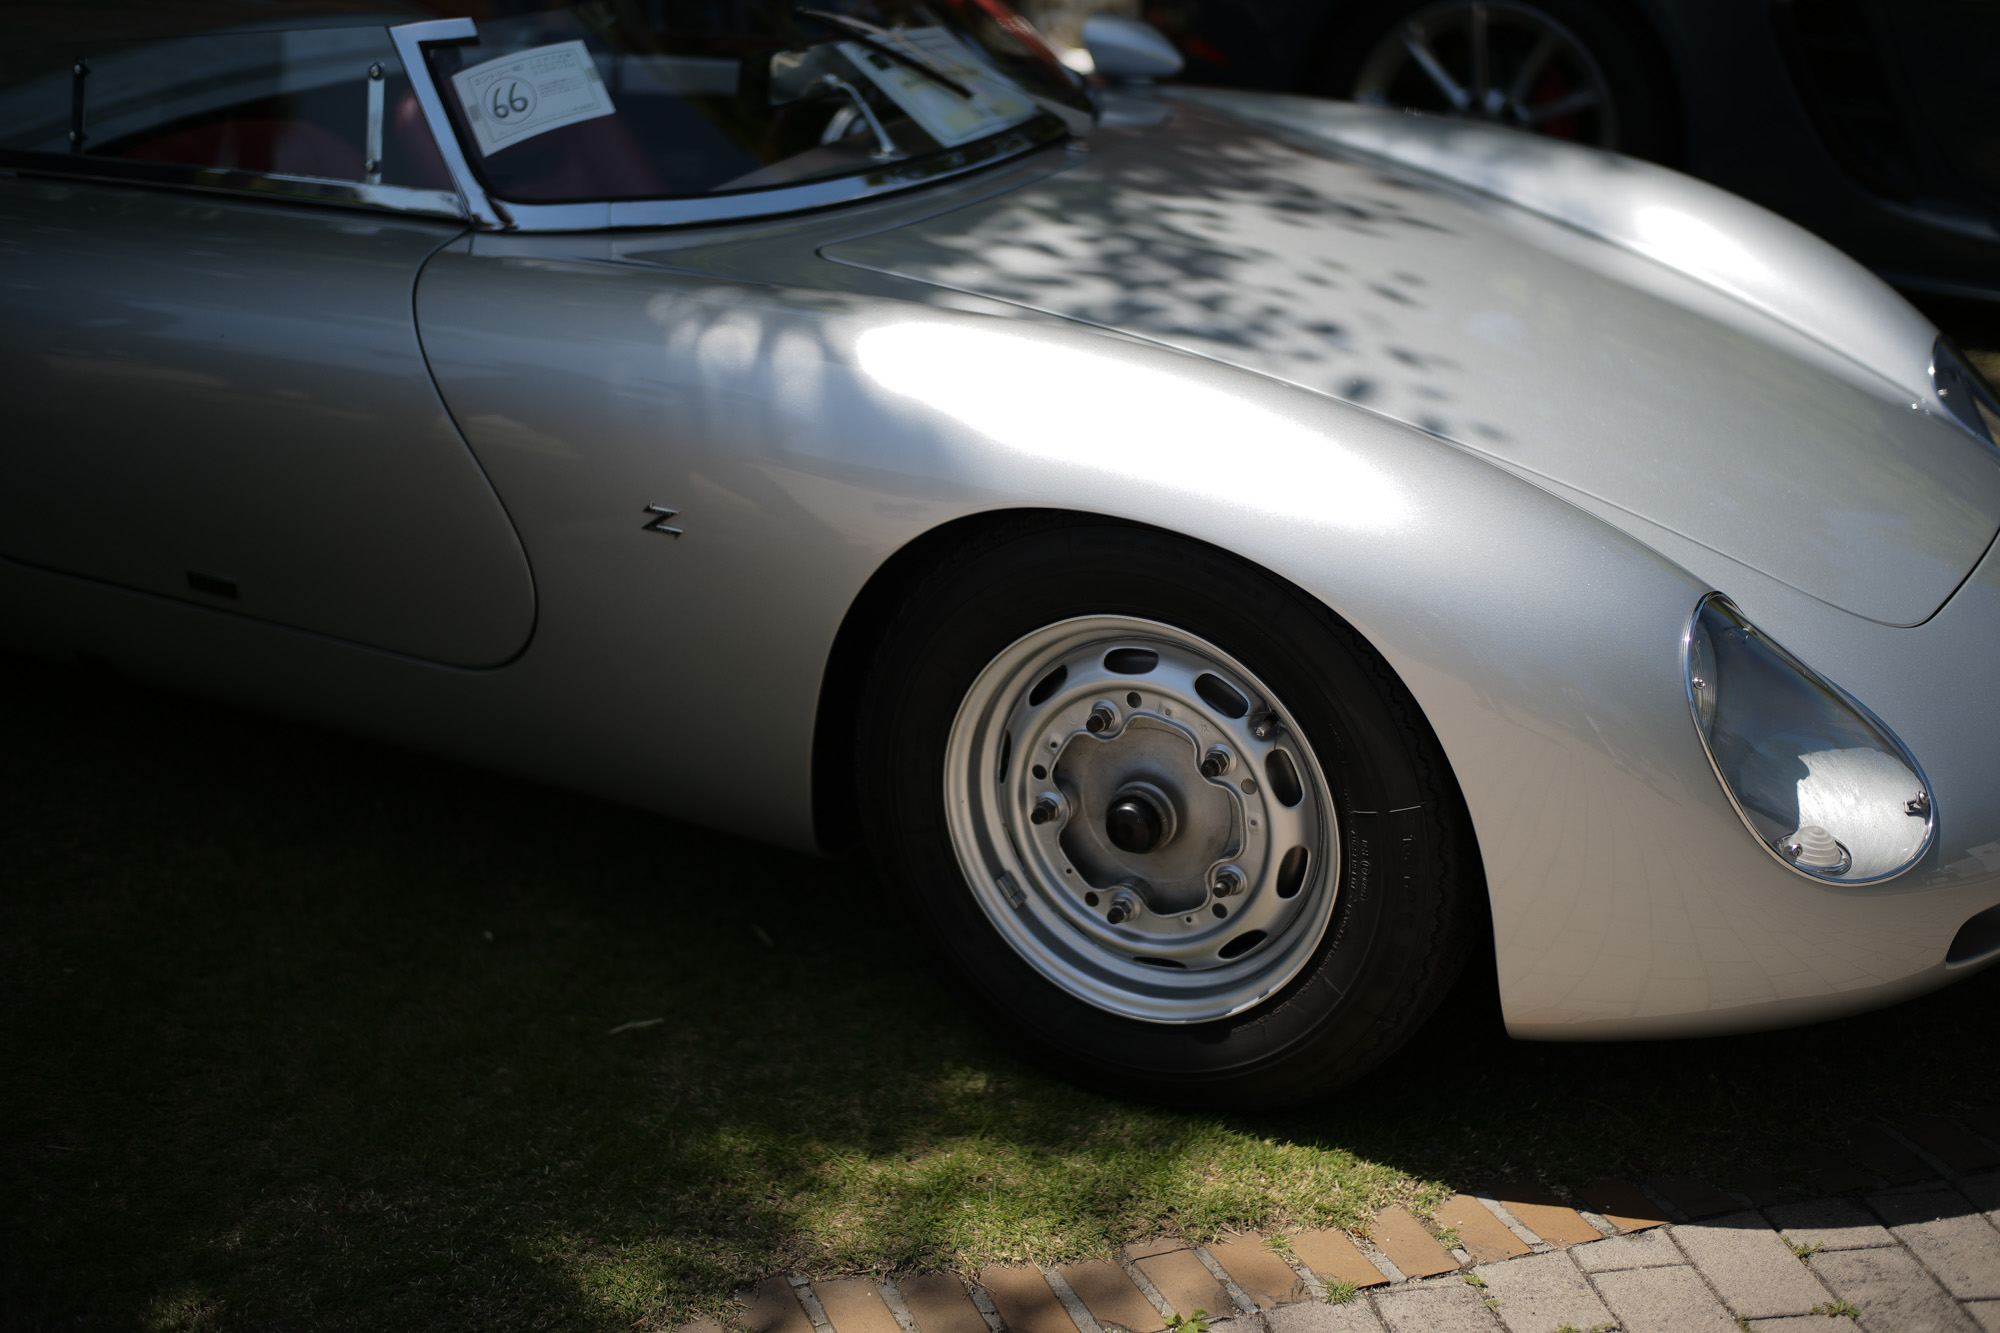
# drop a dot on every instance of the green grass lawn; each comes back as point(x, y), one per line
point(302, 1031)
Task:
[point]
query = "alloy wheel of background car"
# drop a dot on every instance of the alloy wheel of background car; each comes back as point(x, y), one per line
point(1507, 63)
point(1573, 71)
point(1169, 825)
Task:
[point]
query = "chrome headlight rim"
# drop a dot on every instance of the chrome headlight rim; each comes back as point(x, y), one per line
point(1702, 731)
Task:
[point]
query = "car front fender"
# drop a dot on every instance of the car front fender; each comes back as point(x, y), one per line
point(807, 437)
point(1717, 238)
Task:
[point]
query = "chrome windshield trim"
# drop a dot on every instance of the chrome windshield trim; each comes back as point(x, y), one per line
point(690, 210)
point(226, 180)
point(410, 39)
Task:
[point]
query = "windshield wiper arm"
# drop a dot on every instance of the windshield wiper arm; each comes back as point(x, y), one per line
point(861, 34)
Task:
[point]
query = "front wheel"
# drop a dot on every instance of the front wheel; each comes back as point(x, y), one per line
point(1171, 826)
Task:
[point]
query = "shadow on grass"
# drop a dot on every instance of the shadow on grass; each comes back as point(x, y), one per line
point(305, 1031)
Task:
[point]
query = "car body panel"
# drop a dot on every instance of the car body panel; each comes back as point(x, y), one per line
point(1717, 238)
point(219, 387)
point(648, 681)
point(718, 391)
point(810, 420)
point(1429, 308)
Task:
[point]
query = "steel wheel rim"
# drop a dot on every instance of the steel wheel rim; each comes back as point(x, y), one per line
point(1053, 888)
point(1505, 63)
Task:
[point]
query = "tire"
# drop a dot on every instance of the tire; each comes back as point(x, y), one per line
point(1595, 48)
point(1354, 887)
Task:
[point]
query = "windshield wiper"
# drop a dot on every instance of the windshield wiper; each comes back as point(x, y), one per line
point(860, 33)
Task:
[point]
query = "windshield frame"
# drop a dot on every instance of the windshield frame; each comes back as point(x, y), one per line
point(485, 211)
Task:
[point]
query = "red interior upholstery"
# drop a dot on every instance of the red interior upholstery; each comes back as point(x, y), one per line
point(264, 144)
point(426, 169)
point(593, 159)
point(599, 158)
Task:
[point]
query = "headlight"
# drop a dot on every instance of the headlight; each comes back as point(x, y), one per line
point(1965, 392)
point(1822, 783)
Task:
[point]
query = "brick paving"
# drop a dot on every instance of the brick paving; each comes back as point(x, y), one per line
point(1909, 1242)
point(938, 1304)
point(1332, 1257)
point(1480, 1233)
point(1111, 1296)
point(1663, 1300)
point(1184, 1282)
point(1750, 1266)
point(1025, 1302)
point(1541, 1292)
point(1408, 1246)
point(1624, 1206)
point(1647, 1249)
point(853, 1305)
point(1546, 1215)
point(1262, 1273)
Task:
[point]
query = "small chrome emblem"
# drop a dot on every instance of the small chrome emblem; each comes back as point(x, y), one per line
point(658, 521)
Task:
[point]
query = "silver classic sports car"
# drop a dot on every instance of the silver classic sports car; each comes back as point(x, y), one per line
point(1229, 557)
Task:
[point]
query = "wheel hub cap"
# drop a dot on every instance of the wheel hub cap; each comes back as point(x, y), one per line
point(1137, 821)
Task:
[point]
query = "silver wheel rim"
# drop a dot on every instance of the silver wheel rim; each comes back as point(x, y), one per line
point(1509, 64)
point(1056, 779)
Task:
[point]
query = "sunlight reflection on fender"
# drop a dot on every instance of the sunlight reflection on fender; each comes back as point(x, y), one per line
point(1682, 240)
point(1094, 411)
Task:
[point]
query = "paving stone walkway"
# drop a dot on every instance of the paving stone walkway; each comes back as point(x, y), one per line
point(1905, 1239)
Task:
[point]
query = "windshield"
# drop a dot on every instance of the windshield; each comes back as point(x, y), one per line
point(650, 99)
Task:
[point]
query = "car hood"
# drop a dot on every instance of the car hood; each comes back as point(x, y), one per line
point(1774, 429)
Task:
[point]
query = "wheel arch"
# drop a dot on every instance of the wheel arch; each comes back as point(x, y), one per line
point(835, 812)
point(835, 808)
point(842, 806)
point(1539, 643)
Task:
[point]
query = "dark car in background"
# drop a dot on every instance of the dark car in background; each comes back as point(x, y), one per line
point(1874, 124)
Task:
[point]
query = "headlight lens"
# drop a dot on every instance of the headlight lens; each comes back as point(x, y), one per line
point(1965, 392)
point(1821, 782)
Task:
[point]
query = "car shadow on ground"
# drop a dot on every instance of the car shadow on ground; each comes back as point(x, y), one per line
point(303, 1030)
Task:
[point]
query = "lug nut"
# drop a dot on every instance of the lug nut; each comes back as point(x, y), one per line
point(1124, 907)
point(1047, 807)
point(1228, 882)
point(1265, 726)
point(1103, 717)
point(1216, 762)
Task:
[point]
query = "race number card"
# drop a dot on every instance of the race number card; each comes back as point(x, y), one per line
point(532, 92)
point(994, 105)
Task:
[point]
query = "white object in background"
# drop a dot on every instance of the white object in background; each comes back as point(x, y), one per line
point(1128, 50)
point(519, 96)
point(994, 105)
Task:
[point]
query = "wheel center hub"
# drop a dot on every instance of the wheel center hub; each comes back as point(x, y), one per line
point(1138, 820)
point(1144, 815)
